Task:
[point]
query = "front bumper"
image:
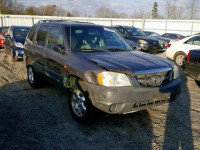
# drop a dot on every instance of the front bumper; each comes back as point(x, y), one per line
point(122, 100)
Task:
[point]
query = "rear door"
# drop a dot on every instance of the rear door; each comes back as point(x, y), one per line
point(40, 52)
point(56, 57)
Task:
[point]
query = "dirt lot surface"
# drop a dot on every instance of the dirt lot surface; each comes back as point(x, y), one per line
point(40, 119)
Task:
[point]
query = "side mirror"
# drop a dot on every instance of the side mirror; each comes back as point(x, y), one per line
point(7, 36)
point(59, 48)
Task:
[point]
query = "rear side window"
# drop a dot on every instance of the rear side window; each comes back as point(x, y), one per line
point(42, 34)
point(32, 32)
point(165, 35)
point(55, 38)
point(194, 41)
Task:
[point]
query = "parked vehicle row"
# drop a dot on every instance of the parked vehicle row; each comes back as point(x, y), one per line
point(101, 67)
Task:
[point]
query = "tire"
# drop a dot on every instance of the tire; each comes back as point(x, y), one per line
point(179, 59)
point(33, 78)
point(80, 105)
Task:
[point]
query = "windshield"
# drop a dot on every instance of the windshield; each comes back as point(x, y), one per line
point(20, 32)
point(96, 39)
point(135, 32)
point(153, 34)
point(3, 29)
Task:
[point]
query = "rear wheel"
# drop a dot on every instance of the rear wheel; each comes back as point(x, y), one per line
point(179, 59)
point(33, 78)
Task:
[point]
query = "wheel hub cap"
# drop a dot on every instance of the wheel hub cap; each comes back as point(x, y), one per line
point(78, 103)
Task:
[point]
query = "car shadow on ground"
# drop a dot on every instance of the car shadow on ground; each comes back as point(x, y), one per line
point(41, 119)
point(178, 132)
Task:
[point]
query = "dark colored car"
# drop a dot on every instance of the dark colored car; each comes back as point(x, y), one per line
point(144, 43)
point(192, 65)
point(99, 68)
point(3, 31)
point(14, 41)
point(173, 36)
point(162, 41)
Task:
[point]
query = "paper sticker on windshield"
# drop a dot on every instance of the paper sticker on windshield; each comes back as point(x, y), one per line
point(108, 29)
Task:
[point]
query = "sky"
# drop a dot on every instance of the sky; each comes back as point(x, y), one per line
point(127, 6)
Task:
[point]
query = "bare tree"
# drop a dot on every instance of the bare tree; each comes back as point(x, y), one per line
point(173, 11)
point(5, 6)
point(193, 9)
point(138, 14)
point(123, 15)
point(31, 11)
point(17, 8)
point(104, 12)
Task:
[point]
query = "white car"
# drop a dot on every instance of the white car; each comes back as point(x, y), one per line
point(179, 50)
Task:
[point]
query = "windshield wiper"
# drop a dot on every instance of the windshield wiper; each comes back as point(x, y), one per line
point(91, 50)
point(117, 49)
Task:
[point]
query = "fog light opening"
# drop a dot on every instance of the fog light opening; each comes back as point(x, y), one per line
point(112, 107)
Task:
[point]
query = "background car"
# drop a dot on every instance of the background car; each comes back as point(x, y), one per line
point(192, 65)
point(14, 41)
point(3, 31)
point(179, 50)
point(173, 36)
point(145, 43)
point(162, 41)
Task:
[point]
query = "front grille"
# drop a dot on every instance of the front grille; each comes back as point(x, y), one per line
point(154, 80)
point(154, 43)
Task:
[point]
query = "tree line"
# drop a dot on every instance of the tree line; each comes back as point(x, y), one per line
point(172, 11)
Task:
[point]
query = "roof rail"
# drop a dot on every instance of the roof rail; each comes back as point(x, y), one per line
point(63, 21)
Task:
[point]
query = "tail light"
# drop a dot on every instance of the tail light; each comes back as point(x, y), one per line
point(188, 57)
point(169, 45)
point(179, 39)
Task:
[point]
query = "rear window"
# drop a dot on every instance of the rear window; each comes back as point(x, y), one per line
point(20, 32)
point(42, 34)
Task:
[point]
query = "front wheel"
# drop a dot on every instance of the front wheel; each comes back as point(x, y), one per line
point(179, 59)
point(80, 106)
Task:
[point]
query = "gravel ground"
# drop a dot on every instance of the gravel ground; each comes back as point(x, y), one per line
point(40, 119)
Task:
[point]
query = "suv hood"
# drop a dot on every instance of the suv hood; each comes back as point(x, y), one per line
point(127, 62)
point(146, 38)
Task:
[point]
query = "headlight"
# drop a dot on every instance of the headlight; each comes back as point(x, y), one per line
point(18, 44)
point(143, 42)
point(176, 72)
point(113, 79)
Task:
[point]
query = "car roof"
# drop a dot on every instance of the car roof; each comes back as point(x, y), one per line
point(67, 23)
point(174, 34)
point(123, 26)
